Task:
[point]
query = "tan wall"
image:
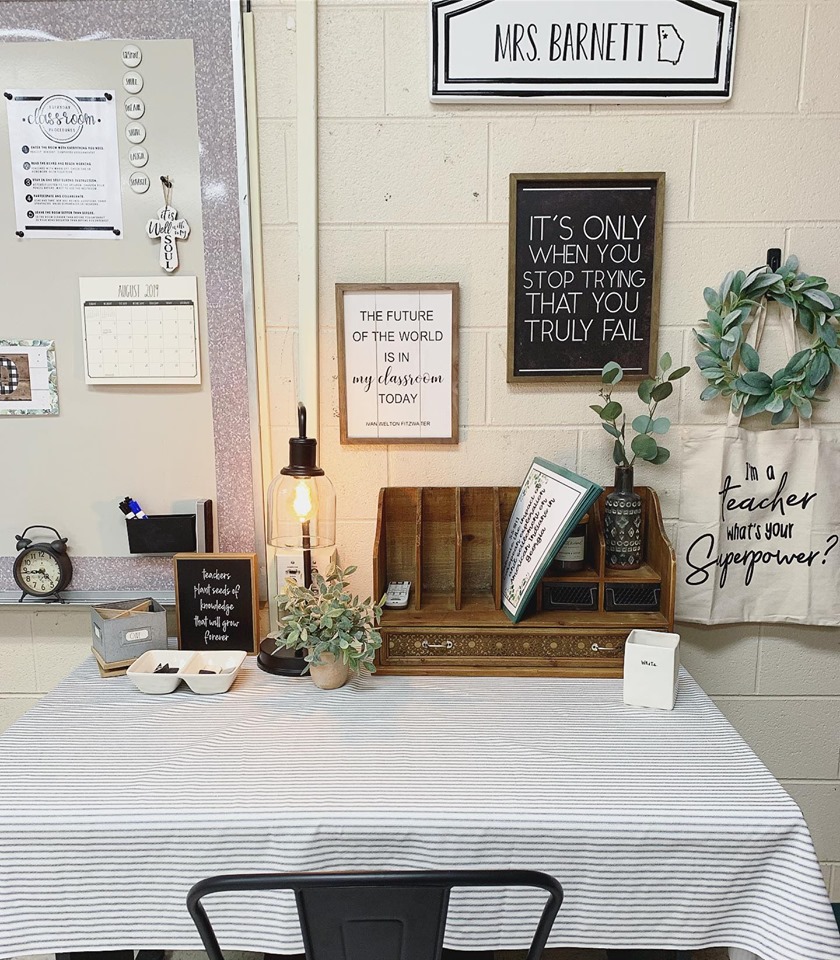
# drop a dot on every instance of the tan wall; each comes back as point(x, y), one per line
point(416, 192)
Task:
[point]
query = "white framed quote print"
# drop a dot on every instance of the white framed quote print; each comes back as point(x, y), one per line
point(398, 362)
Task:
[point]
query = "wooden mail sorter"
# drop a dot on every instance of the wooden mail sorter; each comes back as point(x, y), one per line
point(448, 542)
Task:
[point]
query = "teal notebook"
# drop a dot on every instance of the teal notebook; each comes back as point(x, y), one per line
point(550, 505)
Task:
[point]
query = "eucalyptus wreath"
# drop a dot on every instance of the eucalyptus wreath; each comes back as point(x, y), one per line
point(807, 373)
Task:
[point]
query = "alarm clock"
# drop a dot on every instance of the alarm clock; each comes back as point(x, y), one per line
point(42, 570)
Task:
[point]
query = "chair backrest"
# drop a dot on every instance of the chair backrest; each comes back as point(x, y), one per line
point(374, 916)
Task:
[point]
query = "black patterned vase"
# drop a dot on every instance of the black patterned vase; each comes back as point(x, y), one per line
point(623, 523)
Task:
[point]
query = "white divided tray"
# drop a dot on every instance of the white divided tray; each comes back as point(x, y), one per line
point(225, 665)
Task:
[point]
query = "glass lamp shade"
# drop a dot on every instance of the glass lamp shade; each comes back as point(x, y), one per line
point(301, 511)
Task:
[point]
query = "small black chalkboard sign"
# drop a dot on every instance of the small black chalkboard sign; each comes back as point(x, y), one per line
point(585, 253)
point(217, 601)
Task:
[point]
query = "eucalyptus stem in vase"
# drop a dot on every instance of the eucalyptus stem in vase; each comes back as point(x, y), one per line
point(623, 506)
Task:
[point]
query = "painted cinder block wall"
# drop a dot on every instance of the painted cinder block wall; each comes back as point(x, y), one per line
point(412, 191)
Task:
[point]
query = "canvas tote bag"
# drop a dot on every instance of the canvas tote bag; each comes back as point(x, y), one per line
point(759, 519)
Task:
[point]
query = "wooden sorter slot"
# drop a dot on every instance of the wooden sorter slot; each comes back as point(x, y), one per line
point(439, 546)
point(448, 542)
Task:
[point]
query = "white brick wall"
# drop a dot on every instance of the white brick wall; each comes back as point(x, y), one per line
point(412, 191)
point(419, 192)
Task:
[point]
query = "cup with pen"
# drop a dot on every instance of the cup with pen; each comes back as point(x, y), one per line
point(132, 509)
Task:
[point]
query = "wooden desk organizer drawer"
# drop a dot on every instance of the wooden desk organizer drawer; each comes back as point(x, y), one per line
point(480, 651)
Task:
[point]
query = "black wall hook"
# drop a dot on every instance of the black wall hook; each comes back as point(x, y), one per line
point(774, 258)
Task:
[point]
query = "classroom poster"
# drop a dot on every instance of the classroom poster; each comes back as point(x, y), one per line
point(585, 263)
point(398, 349)
point(65, 164)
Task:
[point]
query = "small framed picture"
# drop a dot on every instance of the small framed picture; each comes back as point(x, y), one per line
point(217, 601)
point(28, 381)
point(398, 362)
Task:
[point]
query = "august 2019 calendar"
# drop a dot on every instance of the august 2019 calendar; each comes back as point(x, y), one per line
point(140, 330)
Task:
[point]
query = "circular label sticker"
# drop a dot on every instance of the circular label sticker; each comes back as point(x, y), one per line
point(135, 108)
point(61, 119)
point(135, 133)
point(133, 82)
point(131, 55)
point(138, 156)
point(139, 182)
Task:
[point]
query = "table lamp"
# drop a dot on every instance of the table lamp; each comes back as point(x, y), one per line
point(301, 516)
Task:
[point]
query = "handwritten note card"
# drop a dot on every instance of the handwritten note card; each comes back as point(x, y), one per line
point(550, 504)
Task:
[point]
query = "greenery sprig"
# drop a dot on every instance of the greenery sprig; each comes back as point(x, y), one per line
point(807, 373)
point(328, 618)
point(652, 391)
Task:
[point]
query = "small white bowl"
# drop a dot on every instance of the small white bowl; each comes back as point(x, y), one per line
point(225, 662)
point(142, 671)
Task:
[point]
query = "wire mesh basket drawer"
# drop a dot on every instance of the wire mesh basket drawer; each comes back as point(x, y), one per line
point(570, 596)
point(632, 596)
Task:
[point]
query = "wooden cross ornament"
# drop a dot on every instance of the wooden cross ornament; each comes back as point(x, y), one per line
point(168, 228)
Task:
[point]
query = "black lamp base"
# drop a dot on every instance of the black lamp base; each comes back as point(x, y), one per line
point(277, 663)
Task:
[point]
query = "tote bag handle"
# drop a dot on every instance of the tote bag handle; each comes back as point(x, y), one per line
point(753, 338)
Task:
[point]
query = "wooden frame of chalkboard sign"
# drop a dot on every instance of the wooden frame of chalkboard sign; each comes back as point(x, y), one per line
point(396, 369)
point(585, 263)
point(225, 614)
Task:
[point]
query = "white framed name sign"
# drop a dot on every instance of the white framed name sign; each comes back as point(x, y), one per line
point(398, 362)
point(582, 50)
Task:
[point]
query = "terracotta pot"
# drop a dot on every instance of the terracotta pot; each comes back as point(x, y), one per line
point(331, 674)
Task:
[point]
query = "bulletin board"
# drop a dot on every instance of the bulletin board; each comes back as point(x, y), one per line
point(193, 435)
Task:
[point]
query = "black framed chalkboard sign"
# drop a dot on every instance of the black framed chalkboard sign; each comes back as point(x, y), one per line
point(217, 601)
point(585, 267)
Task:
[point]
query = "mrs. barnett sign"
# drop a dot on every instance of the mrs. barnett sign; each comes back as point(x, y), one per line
point(582, 50)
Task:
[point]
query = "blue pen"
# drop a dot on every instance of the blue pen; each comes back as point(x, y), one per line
point(137, 510)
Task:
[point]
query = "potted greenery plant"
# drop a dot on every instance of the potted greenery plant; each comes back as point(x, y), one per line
point(623, 506)
point(338, 631)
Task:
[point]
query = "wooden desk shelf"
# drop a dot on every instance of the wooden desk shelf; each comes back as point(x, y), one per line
point(448, 542)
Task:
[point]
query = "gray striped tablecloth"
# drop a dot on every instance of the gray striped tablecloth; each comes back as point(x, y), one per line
point(664, 828)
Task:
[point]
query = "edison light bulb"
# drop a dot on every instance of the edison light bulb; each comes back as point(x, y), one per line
point(302, 504)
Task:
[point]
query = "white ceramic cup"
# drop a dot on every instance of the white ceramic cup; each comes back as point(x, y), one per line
point(651, 669)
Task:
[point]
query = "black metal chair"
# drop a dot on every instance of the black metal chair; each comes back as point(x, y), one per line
point(374, 916)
